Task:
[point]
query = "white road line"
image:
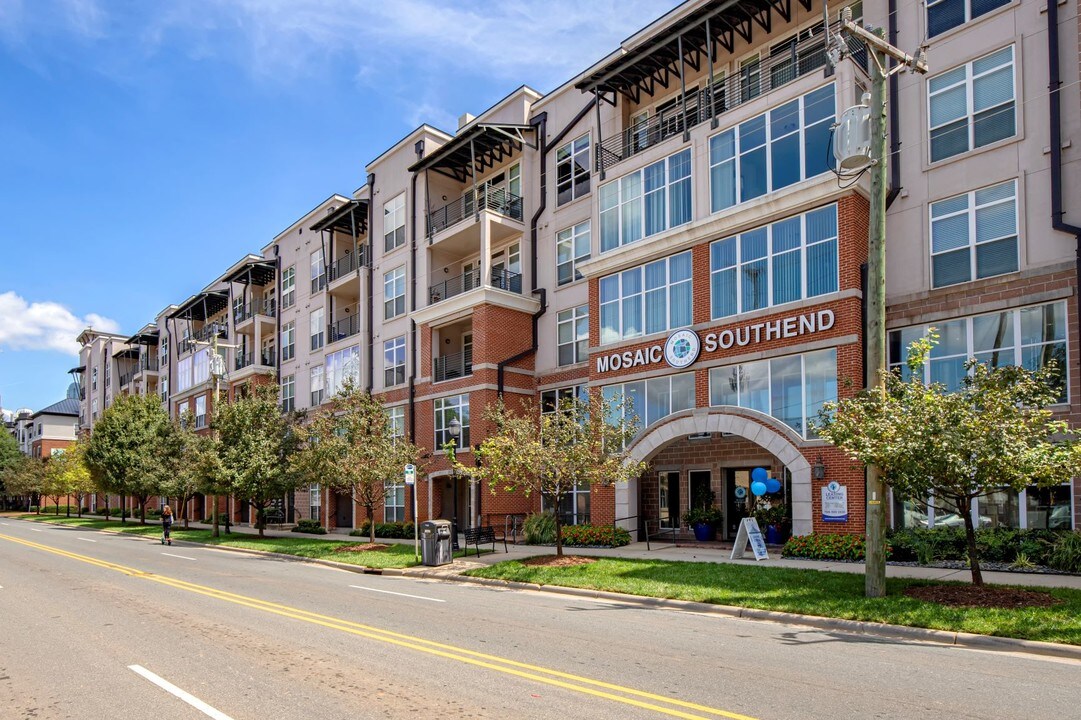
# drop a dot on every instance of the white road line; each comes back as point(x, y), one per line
point(5, 524)
point(174, 690)
point(390, 592)
point(36, 529)
point(86, 539)
point(182, 557)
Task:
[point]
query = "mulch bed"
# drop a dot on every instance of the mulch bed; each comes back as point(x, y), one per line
point(559, 560)
point(366, 547)
point(981, 596)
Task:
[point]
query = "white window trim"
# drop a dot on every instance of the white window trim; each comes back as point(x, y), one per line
point(571, 316)
point(392, 209)
point(970, 111)
point(668, 285)
point(569, 148)
point(569, 237)
point(451, 402)
point(392, 345)
point(390, 278)
point(664, 191)
point(970, 211)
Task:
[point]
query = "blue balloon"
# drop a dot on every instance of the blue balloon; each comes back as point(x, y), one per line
point(773, 485)
point(758, 488)
point(759, 474)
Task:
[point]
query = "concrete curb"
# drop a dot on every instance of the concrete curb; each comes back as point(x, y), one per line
point(857, 627)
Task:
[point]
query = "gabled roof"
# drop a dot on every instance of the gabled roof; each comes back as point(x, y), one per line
point(67, 406)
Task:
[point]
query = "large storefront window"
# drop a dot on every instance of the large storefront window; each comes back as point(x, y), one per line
point(646, 401)
point(1044, 509)
point(646, 202)
point(792, 388)
point(1031, 337)
point(790, 260)
point(771, 151)
point(647, 299)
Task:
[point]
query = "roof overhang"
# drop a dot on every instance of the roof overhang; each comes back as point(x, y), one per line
point(255, 272)
point(80, 369)
point(656, 61)
point(127, 353)
point(143, 338)
point(479, 146)
point(351, 218)
point(201, 306)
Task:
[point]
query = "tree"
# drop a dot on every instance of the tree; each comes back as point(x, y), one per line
point(350, 445)
point(254, 445)
point(196, 465)
point(128, 449)
point(9, 459)
point(583, 442)
point(946, 448)
point(66, 475)
point(26, 477)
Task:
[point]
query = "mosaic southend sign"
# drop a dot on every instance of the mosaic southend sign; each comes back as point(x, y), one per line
point(682, 347)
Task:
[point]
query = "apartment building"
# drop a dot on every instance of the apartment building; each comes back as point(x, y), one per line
point(54, 428)
point(666, 228)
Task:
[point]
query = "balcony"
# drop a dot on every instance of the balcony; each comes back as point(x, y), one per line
point(244, 360)
point(496, 200)
point(126, 378)
point(266, 307)
point(346, 265)
point(785, 64)
point(449, 367)
point(470, 280)
point(346, 327)
point(147, 364)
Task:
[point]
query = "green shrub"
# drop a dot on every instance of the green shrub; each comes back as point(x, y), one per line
point(1000, 545)
point(827, 546)
point(311, 527)
point(595, 536)
point(385, 530)
point(1065, 555)
point(539, 529)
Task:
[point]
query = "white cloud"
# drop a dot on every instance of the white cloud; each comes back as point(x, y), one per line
point(44, 325)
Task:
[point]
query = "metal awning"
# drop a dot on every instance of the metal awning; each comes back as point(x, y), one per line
point(255, 272)
point(657, 61)
point(131, 353)
point(143, 338)
point(80, 369)
point(351, 218)
point(202, 306)
point(481, 146)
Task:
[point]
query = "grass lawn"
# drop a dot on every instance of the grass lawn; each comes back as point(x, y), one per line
point(809, 592)
point(306, 546)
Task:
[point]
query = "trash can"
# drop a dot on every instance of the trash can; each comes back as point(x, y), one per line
point(435, 542)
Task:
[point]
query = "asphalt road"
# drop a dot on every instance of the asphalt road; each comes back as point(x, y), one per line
point(95, 625)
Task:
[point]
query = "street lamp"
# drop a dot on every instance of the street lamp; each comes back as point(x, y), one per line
point(454, 429)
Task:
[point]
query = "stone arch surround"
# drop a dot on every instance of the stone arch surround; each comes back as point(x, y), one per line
point(748, 424)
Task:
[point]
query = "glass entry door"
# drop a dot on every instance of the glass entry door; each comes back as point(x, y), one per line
point(738, 499)
point(668, 499)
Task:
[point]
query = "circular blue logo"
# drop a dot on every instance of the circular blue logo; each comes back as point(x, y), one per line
point(682, 348)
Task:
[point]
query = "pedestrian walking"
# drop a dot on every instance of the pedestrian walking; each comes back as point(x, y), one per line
point(166, 525)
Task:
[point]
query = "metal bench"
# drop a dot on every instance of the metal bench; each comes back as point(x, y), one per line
point(483, 534)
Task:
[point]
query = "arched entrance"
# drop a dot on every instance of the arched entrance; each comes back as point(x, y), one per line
point(768, 437)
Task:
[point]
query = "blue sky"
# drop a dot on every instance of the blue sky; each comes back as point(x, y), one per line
point(147, 146)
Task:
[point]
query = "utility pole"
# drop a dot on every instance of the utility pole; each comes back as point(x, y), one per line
point(880, 53)
point(217, 370)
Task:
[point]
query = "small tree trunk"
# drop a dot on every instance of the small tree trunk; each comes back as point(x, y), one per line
point(142, 510)
point(559, 534)
point(123, 508)
point(970, 537)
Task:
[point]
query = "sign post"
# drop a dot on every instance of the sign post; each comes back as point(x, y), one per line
point(411, 482)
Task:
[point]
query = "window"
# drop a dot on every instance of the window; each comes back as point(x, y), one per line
point(94, 379)
point(394, 293)
point(289, 286)
point(943, 15)
point(288, 393)
point(289, 331)
point(572, 334)
point(317, 328)
point(750, 79)
point(552, 399)
point(200, 366)
point(314, 501)
point(791, 389)
point(1031, 337)
point(396, 417)
point(394, 361)
point(455, 407)
point(633, 305)
point(182, 411)
point(341, 366)
point(164, 389)
point(316, 379)
point(646, 202)
point(394, 223)
point(318, 271)
point(393, 501)
point(183, 374)
point(646, 401)
point(771, 151)
point(573, 506)
point(1047, 508)
point(974, 235)
point(972, 105)
point(163, 348)
point(790, 260)
point(200, 411)
point(572, 170)
point(572, 247)
point(107, 374)
point(1032, 509)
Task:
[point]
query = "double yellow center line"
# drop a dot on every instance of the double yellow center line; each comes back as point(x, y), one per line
point(536, 673)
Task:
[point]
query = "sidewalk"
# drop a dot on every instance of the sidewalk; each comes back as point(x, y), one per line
point(692, 553)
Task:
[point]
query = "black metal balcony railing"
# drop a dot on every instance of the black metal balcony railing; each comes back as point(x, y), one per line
point(448, 367)
point(346, 264)
point(126, 378)
point(501, 280)
point(247, 359)
point(205, 333)
point(147, 362)
point(495, 199)
point(249, 310)
point(346, 327)
point(785, 65)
